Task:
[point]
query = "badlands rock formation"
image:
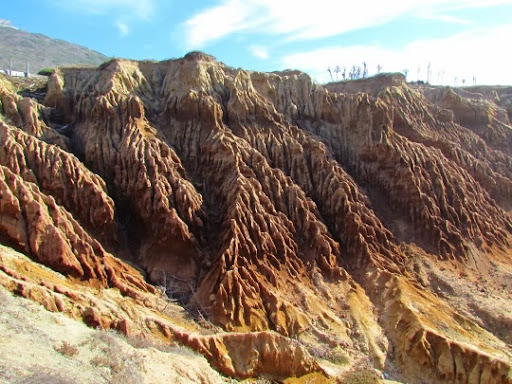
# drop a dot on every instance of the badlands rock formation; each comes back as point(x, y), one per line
point(366, 217)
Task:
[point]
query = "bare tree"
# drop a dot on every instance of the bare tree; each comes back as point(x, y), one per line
point(428, 73)
point(463, 81)
point(337, 71)
point(406, 72)
point(379, 68)
point(353, 71)
point(330, 73)
point(474, 80)
point(344, 73)
point(358, 72)
point(365, 70)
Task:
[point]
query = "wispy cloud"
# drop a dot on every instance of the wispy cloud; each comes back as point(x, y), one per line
point(259, 52)
point(124, 30)
point(308, 20)
point(221, 20)
point(125, 12)
point(445, 18)
point(477, 52)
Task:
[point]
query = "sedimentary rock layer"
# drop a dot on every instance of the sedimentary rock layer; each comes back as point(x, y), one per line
point(268, 202)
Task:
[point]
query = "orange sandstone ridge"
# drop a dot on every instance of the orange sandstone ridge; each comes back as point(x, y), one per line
point(367, 217)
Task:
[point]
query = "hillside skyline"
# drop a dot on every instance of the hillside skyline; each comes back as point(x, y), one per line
point(19, 48)
point(444, 41)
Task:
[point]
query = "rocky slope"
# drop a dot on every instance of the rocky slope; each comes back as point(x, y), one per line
point(370, 218)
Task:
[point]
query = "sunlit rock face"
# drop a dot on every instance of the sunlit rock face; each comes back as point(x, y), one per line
point(370, 216)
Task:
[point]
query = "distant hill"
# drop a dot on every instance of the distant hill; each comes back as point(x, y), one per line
point(41, 51)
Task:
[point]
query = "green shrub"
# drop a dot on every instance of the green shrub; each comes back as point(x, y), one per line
point(45, 72)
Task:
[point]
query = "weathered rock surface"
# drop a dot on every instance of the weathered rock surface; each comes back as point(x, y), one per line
point(61, 175)
point(147, 317)
point(333, 215)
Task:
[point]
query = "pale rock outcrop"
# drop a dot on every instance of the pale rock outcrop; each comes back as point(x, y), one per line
point(276, 207)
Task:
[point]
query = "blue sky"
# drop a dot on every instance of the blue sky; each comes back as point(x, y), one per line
point(460, 39)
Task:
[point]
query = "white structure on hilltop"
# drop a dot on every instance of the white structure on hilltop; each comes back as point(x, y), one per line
point(10, 72)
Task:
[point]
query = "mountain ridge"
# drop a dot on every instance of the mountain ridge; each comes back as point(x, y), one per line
point(41, 51)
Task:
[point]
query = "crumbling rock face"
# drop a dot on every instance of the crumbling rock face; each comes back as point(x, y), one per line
point(41, 228)
point(233, 354)
point(248, 355)
point(61, 175)
point(143, 173)
point(28, 115)
point(274, 204)
point(367, 136)
point(444, 345)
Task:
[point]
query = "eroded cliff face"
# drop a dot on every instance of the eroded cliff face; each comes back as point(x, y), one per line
point(367, 221)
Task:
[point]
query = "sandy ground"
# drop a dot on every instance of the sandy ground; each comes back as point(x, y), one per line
point(38, 347)
point(484, 297)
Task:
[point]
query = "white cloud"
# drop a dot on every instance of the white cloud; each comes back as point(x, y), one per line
point(124, 30)
point(259, 52)
point(218, 21)
point(445, 18)
point(307, 20)
point(478, 52)
point(6, 23)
